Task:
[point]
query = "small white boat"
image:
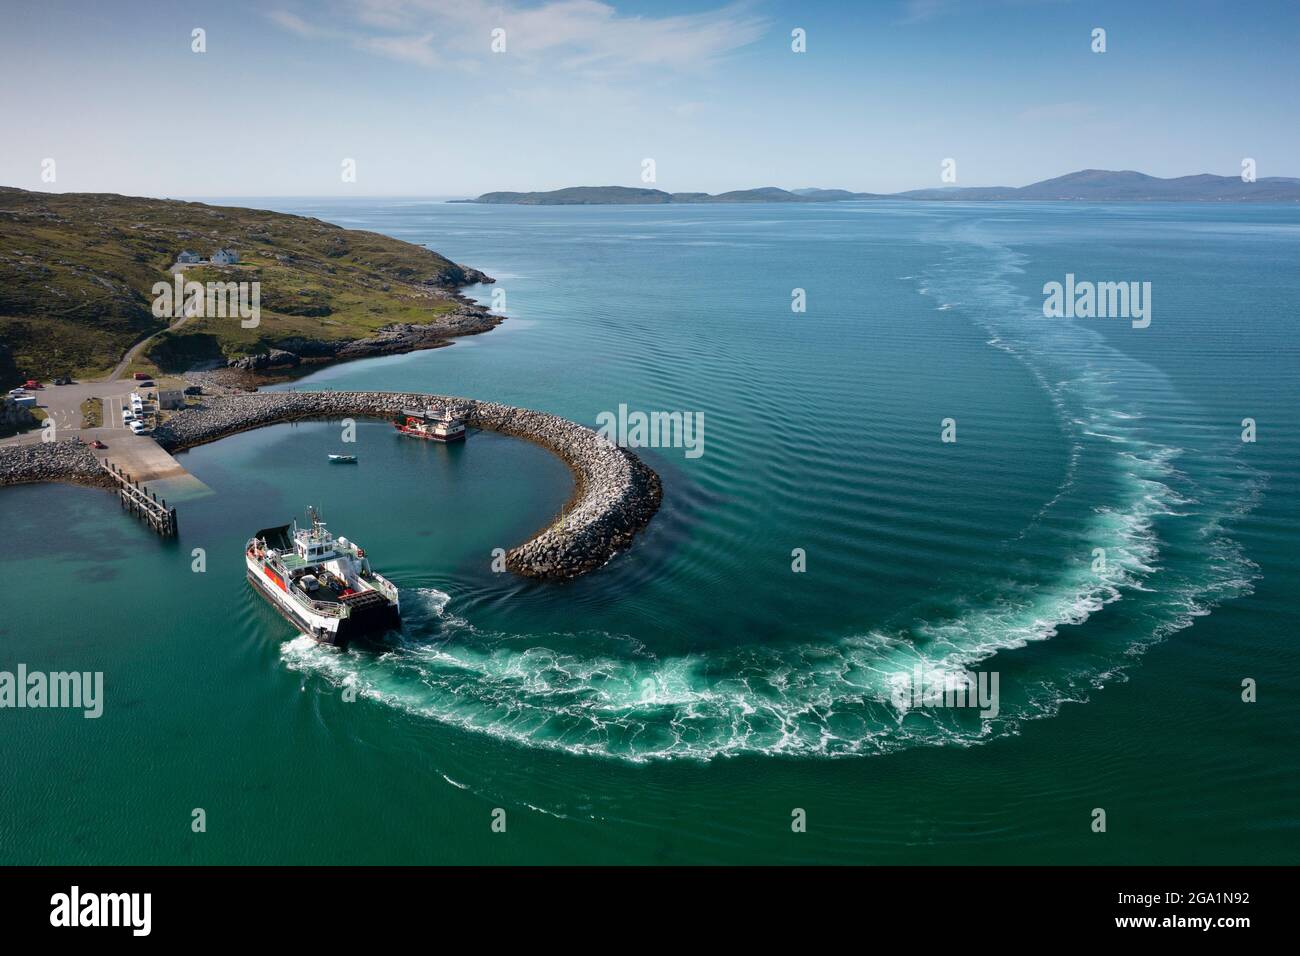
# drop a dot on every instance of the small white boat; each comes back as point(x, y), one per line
point(343, 459)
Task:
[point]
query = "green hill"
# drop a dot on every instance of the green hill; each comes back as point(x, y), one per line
point(77, 270)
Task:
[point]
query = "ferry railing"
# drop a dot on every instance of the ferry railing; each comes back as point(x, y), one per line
point(324, 608)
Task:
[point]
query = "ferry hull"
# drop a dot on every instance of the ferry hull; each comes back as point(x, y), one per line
point(334, 632)
point(320, 634)
point(321, 585)
point(416, 433)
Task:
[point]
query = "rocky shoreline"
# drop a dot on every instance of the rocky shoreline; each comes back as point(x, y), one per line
point(296, 356)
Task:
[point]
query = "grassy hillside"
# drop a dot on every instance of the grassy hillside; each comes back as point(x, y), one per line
point(77, 269)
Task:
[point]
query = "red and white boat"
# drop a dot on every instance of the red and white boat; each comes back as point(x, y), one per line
point(436, 424)
point(323, 585)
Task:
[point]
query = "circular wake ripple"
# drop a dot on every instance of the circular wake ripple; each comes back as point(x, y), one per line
point(1165, 554)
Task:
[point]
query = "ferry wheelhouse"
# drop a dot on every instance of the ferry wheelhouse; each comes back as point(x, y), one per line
point(323, 585)
point(436, 424)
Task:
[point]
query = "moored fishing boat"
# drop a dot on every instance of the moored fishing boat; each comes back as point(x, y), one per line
point(322, 585)
point(436, 424)
point(343, 459)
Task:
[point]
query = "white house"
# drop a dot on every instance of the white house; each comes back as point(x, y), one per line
point(187, 256)
point(171, 398)
point(225, 257)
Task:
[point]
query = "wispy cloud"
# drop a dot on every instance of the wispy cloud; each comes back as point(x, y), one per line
point(412, 49)
point(572, 35)
point(293, 23)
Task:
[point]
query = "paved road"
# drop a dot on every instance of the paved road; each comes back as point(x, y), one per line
point(63, 404)
point(138, 454)
point(120, 369)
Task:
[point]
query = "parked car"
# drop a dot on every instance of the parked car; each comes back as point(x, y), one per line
point(97, 444)
point(141, 376)
point(63, 380)
point(33, 384)
point(139, 428)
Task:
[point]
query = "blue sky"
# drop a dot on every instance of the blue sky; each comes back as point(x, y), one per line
point(411, 90)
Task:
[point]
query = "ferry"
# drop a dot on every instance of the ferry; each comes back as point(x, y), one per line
point(343, 459)
point(324, 586)
point(436, 424)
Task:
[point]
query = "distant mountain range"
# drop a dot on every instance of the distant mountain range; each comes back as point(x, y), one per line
point(1103, 185)
point(1088, 185)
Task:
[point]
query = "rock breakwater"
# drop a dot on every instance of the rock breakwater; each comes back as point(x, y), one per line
point(616, 493)
point(52, 461)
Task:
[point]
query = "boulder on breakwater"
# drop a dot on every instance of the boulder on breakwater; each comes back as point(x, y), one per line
point(51, 461)
point(616, 492)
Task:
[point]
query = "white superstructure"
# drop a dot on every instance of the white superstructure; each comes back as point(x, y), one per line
point(323, 585)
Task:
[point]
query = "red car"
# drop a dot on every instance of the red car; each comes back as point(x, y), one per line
point(33, 384)
point(97, 444)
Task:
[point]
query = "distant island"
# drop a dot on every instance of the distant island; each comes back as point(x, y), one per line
point(1088, 185)
point(629, 195)
point(77, 272)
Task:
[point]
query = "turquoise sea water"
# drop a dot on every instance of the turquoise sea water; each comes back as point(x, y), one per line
point(679, 704)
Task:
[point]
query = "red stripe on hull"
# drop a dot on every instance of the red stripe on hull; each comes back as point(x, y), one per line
point(419, 434)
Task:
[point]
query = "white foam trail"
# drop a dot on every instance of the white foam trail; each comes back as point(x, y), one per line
point(833, 697)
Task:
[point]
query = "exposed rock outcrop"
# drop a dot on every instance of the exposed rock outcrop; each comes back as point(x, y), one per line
point(467, 319)
point(276, 358)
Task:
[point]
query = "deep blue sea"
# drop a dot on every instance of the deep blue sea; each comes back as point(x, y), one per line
point(1098, 535)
